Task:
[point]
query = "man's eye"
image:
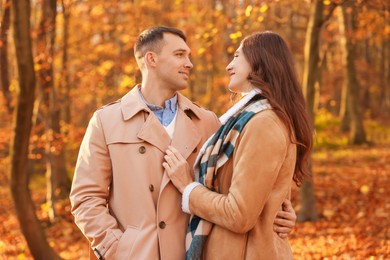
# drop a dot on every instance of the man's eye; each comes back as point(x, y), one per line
point(179, 54)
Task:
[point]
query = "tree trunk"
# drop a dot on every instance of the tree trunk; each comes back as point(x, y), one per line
point(22, 125)
point(385, 78)
point(308, 210)
point(58, 183)
point(166, 9)
point(347, 21)
point(344, 114)
point(344, 102)
point(4, 78)
point(45, 79)
point(64, 82)
point(209, 88)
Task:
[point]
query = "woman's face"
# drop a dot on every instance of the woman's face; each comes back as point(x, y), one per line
point(239, 69)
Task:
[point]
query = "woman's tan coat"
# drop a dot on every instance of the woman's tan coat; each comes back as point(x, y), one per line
point(253, 184)
point(122, 199)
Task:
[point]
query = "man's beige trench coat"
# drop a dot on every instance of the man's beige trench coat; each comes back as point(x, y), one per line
point(122, 199)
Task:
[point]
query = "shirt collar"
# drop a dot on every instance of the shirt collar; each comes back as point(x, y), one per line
point(169, 104)
point(132, 103)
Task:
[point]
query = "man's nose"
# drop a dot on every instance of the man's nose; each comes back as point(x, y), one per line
point(189, 64)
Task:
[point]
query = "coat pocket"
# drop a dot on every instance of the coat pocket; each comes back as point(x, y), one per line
point(126, 243)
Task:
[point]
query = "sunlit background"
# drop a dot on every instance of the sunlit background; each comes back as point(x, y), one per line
point(83, 59)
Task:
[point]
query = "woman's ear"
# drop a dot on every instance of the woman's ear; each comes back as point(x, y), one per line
point(150, 59)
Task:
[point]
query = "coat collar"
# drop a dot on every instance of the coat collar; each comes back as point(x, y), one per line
point(132, 103)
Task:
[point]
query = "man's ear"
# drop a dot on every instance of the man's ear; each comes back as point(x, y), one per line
point(150, 59)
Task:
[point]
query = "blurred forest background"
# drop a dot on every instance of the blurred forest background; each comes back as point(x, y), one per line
point(61, 60)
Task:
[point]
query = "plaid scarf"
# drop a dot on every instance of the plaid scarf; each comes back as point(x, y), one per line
point(215, 153)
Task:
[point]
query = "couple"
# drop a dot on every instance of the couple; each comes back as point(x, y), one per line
point(137, 154)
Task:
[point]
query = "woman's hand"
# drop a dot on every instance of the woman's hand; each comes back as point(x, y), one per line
point(285, 220)
point(177, 169)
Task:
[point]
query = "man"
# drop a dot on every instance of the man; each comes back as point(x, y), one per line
point(122, 199)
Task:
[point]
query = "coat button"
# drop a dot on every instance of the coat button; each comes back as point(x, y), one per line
point(142, 149)
point(195, 150)
point(162, 224)
point(151, 187)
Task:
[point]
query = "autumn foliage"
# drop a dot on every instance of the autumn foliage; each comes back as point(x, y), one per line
point(83, 58)
point(352, 195)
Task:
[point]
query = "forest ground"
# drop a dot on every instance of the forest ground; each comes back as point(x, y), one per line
point(352, 190)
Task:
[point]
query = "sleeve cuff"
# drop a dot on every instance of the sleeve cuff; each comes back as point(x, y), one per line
point(186, 196)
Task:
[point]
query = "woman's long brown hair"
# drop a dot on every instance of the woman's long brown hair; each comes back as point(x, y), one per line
point(273, 72)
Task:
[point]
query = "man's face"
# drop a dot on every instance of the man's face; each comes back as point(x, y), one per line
point(173, 63)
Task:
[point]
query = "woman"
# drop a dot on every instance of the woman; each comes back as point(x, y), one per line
point(244, 171)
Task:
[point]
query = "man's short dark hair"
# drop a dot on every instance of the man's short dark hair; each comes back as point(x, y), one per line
point(152, 39)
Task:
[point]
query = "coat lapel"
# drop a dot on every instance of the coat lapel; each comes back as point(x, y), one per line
point(152, 130)
point(185, 139)
point(154, 133)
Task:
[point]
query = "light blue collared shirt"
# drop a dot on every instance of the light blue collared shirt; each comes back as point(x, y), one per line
point(164, 114)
